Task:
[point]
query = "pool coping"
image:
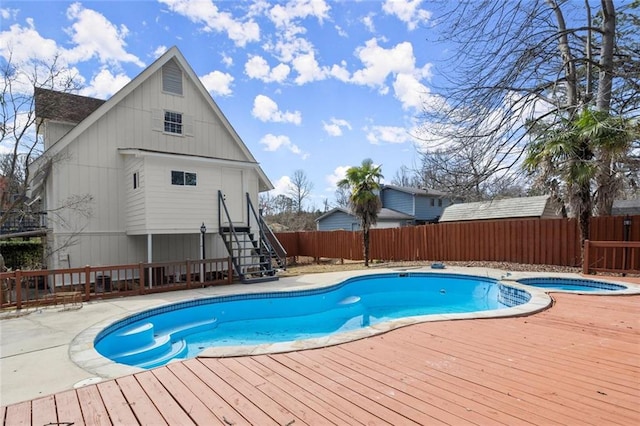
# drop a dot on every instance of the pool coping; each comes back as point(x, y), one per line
point(84, 355)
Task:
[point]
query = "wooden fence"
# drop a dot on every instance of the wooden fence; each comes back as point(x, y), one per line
point(533, 241)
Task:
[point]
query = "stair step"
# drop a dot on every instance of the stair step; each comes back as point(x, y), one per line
point(160, 346)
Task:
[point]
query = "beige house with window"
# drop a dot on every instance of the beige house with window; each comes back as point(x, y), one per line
point(133, 179)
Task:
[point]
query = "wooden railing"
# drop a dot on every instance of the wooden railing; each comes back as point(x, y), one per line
point(611, 257)
point(22, 289)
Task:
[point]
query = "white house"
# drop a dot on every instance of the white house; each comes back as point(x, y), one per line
point(157, 161)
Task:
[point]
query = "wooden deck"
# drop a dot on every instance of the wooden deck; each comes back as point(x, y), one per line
point(576, 363)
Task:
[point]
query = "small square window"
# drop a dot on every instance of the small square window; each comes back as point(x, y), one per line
point(177, 178)
point(173, 122)
point(190, 179)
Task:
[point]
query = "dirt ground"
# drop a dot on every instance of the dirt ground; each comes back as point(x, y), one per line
point(307, 265)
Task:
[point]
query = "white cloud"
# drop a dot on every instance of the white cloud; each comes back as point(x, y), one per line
point(265, 109)
point(159, 51)
point(338, 174)
point(281, 186)
point(227, 60)
point(367, 21)
point(218, 83)
point(308, 69)
point(104, 84)
point(380, 62)
point(409, 91)
point(407, 11)
point(334, 128)
point(275, 143)
point(206, 13)
point(95, 36)
point(388, 134)
point(23, 44)
point(258, 68)
point(283, 15)
point(7, 14)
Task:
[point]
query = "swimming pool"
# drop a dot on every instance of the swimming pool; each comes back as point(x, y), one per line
point(572, 284)
point(157, 336)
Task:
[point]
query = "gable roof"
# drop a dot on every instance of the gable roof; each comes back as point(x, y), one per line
point(61, 106)
point(384, 214)
point(496, 209)
point(171, 54)
point(415, 191)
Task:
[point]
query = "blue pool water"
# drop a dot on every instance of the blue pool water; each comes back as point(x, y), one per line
point(569, 284)
point(153, 338)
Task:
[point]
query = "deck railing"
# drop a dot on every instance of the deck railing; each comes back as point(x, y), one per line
point(24, 289)
point(611, 257)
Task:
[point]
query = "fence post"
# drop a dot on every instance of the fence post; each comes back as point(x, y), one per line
point(141, 275)
point(87, 283)
point(18, 289)
point(585, 258)
point(188, 273)
point(229, 271)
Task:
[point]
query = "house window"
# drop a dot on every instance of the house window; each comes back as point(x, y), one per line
point(440, 202)
point(172, 78)
point(433, 202)
point(173, 122)
point(136, 183)
point(183, 178)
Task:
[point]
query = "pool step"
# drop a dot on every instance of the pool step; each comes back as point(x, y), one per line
point(178, 350)
point(148, 351)
point(160, 346)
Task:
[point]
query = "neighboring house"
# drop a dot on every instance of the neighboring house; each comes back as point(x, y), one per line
point(423, 205)
point(626, 207)
point(157, 159)
point(401, 206)
point(540, 207)
point(339, 218)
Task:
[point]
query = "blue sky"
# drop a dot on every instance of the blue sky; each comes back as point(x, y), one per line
point(312, 85)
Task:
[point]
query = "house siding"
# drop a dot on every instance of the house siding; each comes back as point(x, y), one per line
point(92, 164)
point(425, 211)
point(338, 220)
point(399, 201)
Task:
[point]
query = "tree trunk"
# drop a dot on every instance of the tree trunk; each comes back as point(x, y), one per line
point(606, 178)
point(365, 244)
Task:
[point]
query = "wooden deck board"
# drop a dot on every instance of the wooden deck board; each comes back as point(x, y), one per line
point(68, 406)
point(576, 363)
point(43, 411)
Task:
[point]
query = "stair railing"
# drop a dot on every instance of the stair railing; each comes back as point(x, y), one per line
point(222, 206)
point(267, 237)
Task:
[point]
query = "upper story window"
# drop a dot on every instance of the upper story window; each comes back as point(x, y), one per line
point(172, 78)
point(433, 202)
point(183, 178)
point(439, 202)
point(173, 122)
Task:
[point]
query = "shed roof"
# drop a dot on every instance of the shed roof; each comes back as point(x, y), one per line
point(496, 209)
point(61, 106)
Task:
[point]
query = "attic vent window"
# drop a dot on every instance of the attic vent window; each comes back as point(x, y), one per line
point(172, 78)
point(173, 122)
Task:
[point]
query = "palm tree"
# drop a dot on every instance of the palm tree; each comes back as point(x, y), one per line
point(573, 154)
point(363, 182)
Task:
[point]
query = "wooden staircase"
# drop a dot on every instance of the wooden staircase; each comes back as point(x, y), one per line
point(256, 253)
